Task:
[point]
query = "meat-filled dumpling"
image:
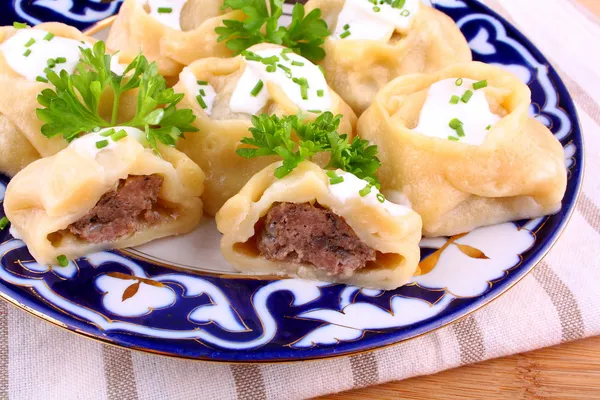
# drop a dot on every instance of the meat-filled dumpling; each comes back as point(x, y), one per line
point(173, 33)
point(311, 226)
point(461, 148)
point(373, 43)
point(26, 54)
point(103, 192)
point(224, 95)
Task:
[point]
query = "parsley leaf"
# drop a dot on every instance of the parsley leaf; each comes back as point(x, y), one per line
point(273, 135)
point(72, 107)
point(305, 35)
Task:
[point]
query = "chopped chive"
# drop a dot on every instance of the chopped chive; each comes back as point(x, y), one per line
point(459, 82)
point(30, 42)
point(467, 96)
point(315, 111)
point(381, 198)
point(3, 222)
point(284, 68)
point(257, 88)
point(480, 84)
point(51, 63)
point(19, 25)
point(269, 60)
point(460, 131)
point(248, 55)
point(271, 68)
point(101, 144)
point(108, 132)
point(202, 92)
point(62, 260)
point(119, 135)
point(297, 63)
point(365, 191)
point(453, 138)
point(376, 9)
point(60, 60)
point(165, 10)
point(487, 128)
point(304, 92)
point(49, 36)
point(334, 178)
point(320, 93)
point(455, 123)
point(41, 79)
point(405, 13)
point(346, 27)
point(200, 101)
point(27, 53)
point(454, 99)
point(345, 34)
point(202, 83)
point(96, 129)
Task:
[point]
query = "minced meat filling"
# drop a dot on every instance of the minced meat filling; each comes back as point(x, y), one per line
point(305, 233)
point(122, 211)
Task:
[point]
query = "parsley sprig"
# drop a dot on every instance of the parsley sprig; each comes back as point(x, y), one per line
point(72, 107)
point(305, 35)
point(273, 135)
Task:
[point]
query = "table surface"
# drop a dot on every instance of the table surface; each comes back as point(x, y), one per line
point(568, 371)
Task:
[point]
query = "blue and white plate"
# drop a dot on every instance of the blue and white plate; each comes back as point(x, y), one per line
point(178, 297)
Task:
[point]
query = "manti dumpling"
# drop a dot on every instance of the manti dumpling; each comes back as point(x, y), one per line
point(25, 56)
point(172, 33)
point(225, 93)
point(85, 199)
point(459, 146)
point(305, 225)
point(371, 44)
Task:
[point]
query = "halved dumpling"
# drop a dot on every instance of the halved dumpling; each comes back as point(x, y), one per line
point(305, 226)
point(461, 148)
point(171, 33)
point(220, 92)
point(371, 44)
point(86, 199)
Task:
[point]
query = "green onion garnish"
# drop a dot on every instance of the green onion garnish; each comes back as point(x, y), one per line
point(3, 222)
point(19, 25)
point(62, 260)
point(284, 53)
point(334, 178)
point(30, 42)
point(60, 60)
point(51, 63)
point(365, 191)
point(460, 131)
point(101, 144)
point(455, 123)
point(487, 128)
point(271, 68)
point(200, 101)
point(27, 52)
point(467, 96)
point(297, 63)
point(376, 9)
point(257, 88)
point(269, 60)
point(165, 10)
point(453, 138)
point(454, 99)
point(202, 83)
point(345, 34)
point(49, 36)
point(459, 82)
point(320, 93)
point(41, 79)
point(119, 135)
point(108, 132)
point(480, 84)
point(405, 13)
point(346, 27)
point(381, 198)
point(284, 68)
point(315, 111)
point(96, 129)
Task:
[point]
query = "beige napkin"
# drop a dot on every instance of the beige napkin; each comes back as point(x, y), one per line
point(558, 302)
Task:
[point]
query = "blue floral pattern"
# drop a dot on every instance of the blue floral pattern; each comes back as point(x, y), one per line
point(143, 305)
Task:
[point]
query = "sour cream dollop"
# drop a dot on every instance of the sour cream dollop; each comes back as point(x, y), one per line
point(167, 12)
point(287, 74)
point(363, 20)
point(350, 189)
point(28, 51)
point(87, 144)
point(438, 111)
point(199, 88)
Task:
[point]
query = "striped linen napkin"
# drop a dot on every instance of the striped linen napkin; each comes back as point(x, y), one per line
point(556, 303)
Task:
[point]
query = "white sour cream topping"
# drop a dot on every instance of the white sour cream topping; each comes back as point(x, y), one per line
point(191, 83)
point(116, 66)
point(352, 185)
point(437, 112)
point(363, 22)
point(243, 101)
point(40, 52)
point(167, 12)
point(86, 145)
